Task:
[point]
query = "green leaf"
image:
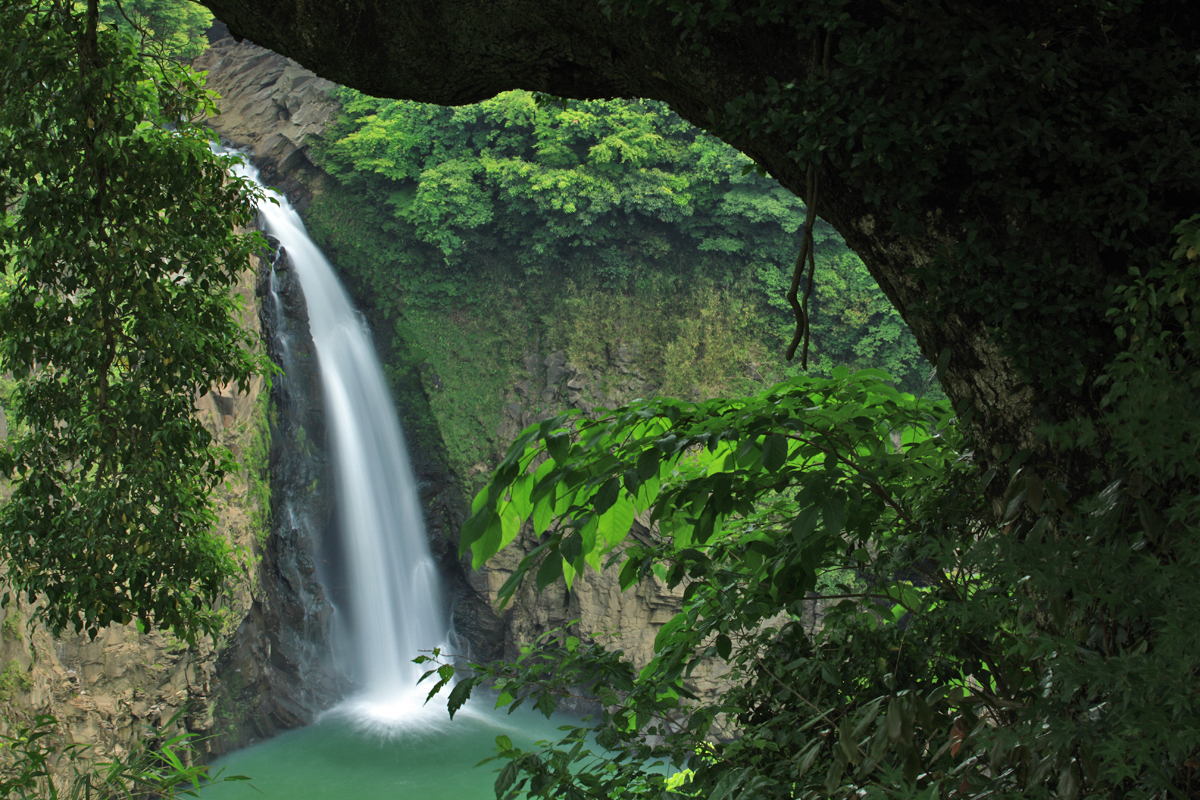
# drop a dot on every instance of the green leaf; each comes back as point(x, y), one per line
point(616, 524)
point(728, 784)
point(804, 524)
point(489, 543)
point(807, 759)
point(543, 512)
point(506, 778)
point(647, 464)
point(894, 720)
point(834, 776)
point(519, 492)
point(833, 514)
point(546, 704)
point(706, 525)
point(830, 674)
point(846, 742)
point(943, 362)
point(572, 547)
point(724, 646)
point(774, 452)
point(459, 695)
point(606, 496)
point(559, 446)
point(550, 570)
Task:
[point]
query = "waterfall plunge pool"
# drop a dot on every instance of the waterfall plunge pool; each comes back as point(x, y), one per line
point(341, 757)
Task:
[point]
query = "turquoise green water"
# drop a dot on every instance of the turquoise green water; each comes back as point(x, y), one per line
point(335, 758)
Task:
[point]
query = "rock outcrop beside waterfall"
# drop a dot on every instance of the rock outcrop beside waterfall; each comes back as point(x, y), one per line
point(278, 670)
point(270, 107)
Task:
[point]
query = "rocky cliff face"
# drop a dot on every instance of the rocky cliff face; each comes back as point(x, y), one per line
point(628, 620)
point(269, 107)
point(278, 670)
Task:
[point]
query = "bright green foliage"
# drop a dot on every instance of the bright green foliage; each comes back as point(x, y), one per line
point(946, 662)
point(1040, 646)
point(700, 469)
point(13, 679)
point(622, 197)
point(479, 231)
point(752, 500)
point(7, 282)
point(1053, 649)
point(170, 28)
point(120, 235)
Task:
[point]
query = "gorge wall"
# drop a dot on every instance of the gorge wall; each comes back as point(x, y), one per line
point(273, 666)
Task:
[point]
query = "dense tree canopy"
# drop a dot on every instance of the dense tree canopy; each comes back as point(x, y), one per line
point(173, 29)
point(616, 192)
point(608, 225)
point(998, 167)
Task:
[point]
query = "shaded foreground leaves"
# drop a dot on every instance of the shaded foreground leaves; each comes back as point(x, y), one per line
point(967, 647)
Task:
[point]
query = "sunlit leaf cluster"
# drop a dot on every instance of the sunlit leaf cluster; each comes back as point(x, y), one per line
point(1035, 646)
point(840, 493)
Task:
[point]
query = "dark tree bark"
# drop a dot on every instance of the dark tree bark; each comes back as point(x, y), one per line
point(462, 51)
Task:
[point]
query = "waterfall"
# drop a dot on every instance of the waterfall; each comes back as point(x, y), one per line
point(395, 593)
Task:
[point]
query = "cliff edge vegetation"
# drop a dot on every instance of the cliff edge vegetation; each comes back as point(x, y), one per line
point(488, 235)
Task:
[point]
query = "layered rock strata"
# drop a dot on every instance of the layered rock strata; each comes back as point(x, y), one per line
point(270, 108)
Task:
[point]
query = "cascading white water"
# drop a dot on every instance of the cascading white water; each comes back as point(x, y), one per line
point(395, 592)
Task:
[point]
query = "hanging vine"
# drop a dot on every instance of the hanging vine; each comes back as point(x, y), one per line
point(812, 186)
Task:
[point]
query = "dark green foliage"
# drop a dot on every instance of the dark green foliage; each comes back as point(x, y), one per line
point(120, 241)
point(1038, 646)
point(985, 105)
point(1049, 150)
point(964, 650)
point(754, 499)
